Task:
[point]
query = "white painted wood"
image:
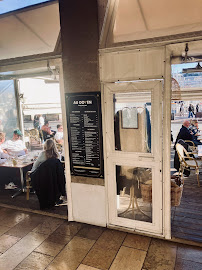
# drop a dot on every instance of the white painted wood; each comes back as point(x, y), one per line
point(134, 22)
point(137, 64)
point(151, 160)
point(166, 147)
point(108, 22)
point(89, 204)
point(104, 151)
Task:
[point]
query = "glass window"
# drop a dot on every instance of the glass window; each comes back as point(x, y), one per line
point(134, 193)
point(8, 111)
point(11, 5)
point(132, 122)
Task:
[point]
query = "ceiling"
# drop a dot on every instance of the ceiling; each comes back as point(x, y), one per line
point(29, 31)
point(141, 19)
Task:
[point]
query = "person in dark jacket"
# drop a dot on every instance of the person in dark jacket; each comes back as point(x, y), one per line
point(47, 176)
point(48, 181)
point(184, 133)
point(176, 158)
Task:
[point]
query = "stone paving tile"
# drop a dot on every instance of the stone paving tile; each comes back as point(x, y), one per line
point(7, 241)
point(91, 232)
point(26, 226)
point(48, 226)
point(161, 255)
point(129, 259)
point(50, 248)
point(18, 252)
point(86, 267)
point(182, 264)
point(72, 254)
point(137, 241)
point(35, 261)
point(3, 229)
point(105, 249)
point(59, 238)
point(12, 218)
point(189, 253)
point(5, 212)
point(69, 228)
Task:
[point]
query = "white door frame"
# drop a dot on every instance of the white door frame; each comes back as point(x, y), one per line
point(151, 160)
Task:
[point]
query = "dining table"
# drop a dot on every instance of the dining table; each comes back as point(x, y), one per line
point(21, 164)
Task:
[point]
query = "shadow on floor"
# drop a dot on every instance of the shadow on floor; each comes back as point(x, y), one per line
point(31, 204)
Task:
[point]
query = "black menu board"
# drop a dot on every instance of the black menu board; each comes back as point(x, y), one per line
point(85, 133)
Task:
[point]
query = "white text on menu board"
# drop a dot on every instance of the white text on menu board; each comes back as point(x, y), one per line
point(83, 102)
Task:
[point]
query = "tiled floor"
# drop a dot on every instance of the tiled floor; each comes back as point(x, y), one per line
point(35, 242)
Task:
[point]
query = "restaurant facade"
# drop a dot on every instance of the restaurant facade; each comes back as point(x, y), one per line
point(114, 62)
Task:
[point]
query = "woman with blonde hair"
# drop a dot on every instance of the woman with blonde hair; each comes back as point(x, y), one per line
point(50, 151)
point(48, 179)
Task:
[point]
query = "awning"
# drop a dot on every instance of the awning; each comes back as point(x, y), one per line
point(29, 31)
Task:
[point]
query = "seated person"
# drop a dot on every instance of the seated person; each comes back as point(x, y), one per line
point(3, 155)
point(59, 134)
point(176, 158)
point(194, 130)
point(50, 151)
point(47, 132)
point(184, 133)
point(15, 147)
point(48, 179)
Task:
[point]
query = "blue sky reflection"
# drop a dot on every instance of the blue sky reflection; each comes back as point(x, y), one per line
point(10, 5)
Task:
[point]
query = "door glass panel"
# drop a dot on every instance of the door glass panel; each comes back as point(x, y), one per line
point(132, 121)
point(134, 193)
point(8, 111)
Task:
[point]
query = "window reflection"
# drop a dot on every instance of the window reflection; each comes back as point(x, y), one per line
point(132, 122)
point(134, 193)
point(8, 111)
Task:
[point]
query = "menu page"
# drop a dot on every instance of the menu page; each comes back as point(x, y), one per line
point(85, 133)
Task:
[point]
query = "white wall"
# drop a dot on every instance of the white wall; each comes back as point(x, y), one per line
point(89, 204)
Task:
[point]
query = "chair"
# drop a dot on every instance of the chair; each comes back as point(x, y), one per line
point(186, 161)
point(45, 135)
point(191, 145)
point(27, 138)
point(28, 184)
point(48, 181)
point(34, 134)
point(58, 146)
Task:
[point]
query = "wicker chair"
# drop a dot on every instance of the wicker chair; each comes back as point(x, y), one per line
point(28, 184)
point(186, 161)
point(191, 145)
point(34, 134)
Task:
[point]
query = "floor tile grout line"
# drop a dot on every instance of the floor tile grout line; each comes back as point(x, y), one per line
point(46, 254)
point(63, 247)
point(147, 252)
point(62, 250)
point(27, 257)
point(92, 246)
point(118, 250)
point(37, 246)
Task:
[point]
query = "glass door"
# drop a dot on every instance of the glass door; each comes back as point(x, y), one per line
point(133, 143)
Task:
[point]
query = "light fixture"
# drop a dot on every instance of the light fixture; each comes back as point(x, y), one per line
point(198, 68)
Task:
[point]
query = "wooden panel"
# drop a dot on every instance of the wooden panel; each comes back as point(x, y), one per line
point(132, 64)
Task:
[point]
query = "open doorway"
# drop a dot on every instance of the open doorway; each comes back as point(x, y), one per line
point(28, 95)
point(186, 133)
